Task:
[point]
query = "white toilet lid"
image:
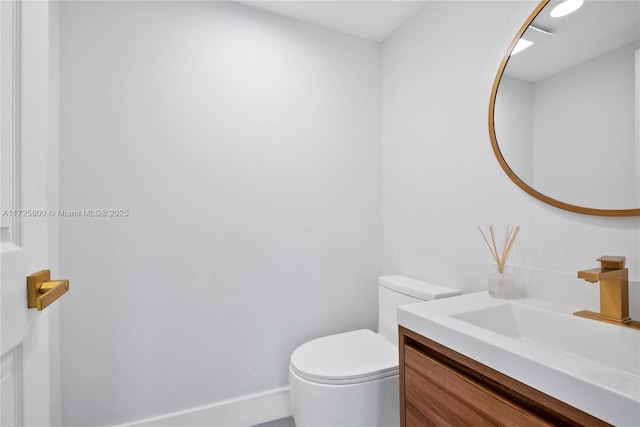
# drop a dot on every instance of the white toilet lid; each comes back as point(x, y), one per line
point(348, 358)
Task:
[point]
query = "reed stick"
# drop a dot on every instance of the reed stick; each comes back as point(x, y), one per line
point(489, 246)
point(509, 239)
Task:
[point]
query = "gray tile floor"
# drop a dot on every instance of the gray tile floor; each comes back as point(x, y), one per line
point(284, 422)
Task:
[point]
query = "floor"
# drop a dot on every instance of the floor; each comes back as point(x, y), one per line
point(284, 422)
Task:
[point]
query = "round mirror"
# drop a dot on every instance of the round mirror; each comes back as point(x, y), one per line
point(564, 115)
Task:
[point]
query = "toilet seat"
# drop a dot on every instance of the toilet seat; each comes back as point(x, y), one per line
point(347, 358)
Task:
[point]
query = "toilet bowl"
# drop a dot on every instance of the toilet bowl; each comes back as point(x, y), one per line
point(351, 379)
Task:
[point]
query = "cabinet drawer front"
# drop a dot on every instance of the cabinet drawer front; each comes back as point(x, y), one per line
point(427, 401)
point(448, 397)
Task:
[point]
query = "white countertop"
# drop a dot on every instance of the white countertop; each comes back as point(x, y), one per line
point(599, 389)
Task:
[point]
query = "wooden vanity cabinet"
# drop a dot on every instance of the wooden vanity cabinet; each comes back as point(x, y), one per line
point(440, 387)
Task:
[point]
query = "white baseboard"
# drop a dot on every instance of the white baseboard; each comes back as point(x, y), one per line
point(242, 412)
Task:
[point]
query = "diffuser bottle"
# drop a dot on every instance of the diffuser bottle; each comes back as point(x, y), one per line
point(502, 285)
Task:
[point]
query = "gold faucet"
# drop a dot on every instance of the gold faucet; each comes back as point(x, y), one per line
point(614, 291)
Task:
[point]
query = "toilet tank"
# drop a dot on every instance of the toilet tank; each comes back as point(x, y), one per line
point(399, 290)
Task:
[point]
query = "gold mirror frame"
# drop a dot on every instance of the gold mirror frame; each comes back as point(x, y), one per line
point(502, 161)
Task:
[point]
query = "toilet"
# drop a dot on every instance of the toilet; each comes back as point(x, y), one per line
point(351, 379)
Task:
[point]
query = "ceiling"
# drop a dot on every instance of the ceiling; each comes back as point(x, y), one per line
point(371, 20)
point(597, 27)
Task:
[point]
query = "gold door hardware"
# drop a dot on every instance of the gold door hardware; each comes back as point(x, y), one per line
point(42, 291)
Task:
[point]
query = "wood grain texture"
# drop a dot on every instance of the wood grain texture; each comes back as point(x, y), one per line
point(442, 387)
point(439, 391)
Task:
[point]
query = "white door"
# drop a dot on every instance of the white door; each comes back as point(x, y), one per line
point(637, 203)
point(24, 130)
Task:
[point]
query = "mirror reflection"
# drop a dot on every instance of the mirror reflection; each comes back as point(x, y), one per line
point(567, 107)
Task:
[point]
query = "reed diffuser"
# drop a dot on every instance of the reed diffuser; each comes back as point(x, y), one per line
point(501, 284)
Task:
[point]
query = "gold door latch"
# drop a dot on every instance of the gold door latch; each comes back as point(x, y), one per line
point(42, 291)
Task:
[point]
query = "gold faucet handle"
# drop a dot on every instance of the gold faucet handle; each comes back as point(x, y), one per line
point(608, 261)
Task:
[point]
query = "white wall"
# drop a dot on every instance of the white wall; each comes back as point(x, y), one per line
point(441, 178)
point(246, 148)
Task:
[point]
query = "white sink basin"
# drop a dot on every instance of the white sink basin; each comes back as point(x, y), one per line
point(594, 366)
point(616, 347)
